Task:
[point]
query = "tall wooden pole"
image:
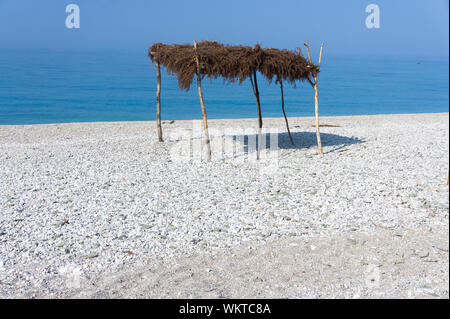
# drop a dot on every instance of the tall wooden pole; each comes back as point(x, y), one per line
point(284, 112)
point(258, 106)
point(158, 100)
point(316, 97)
point(316, 108)
point(202, 104)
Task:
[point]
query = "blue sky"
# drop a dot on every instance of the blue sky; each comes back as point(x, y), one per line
point(408, 27)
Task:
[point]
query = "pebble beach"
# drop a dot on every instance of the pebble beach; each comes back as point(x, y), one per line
point(104, 210)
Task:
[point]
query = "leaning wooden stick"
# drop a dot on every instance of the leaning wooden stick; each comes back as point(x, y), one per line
point(284, 113)
point(316, 103)
point(202, 103)
point(254, 82)
point(320, 56)
point(158, 100)
point(316, 96)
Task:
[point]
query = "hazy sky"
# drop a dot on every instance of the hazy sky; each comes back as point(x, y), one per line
point(408, 27)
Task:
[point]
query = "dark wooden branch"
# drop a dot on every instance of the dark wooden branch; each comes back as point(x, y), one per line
point(254, 82)
point(284, 113)
point(311, 82)
point(158, 101)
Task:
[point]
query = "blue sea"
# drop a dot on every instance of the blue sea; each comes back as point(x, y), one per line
point(41, 86)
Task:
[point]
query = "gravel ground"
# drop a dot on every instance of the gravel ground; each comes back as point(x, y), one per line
point(103, 210)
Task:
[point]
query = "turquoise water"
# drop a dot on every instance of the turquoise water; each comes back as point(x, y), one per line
point(38, 86)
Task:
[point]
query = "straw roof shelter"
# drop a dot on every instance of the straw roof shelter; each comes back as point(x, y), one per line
point(234, 64)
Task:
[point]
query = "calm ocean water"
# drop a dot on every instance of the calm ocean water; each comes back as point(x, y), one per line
point(38, 86)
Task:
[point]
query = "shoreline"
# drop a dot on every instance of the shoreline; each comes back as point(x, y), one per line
point(231, 119)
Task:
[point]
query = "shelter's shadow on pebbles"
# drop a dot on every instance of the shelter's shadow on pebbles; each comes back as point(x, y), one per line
point(302, 140)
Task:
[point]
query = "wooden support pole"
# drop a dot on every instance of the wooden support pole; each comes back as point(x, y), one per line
point(258, 103)
point(316, 96)
point(158, 101)
point(254, 82)
point(202, 104)
point(316, 108)
point(284, 113)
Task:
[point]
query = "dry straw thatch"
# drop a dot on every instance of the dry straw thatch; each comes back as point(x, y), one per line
point(232, 63)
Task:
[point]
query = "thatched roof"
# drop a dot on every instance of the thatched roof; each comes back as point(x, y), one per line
point(232, 63)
